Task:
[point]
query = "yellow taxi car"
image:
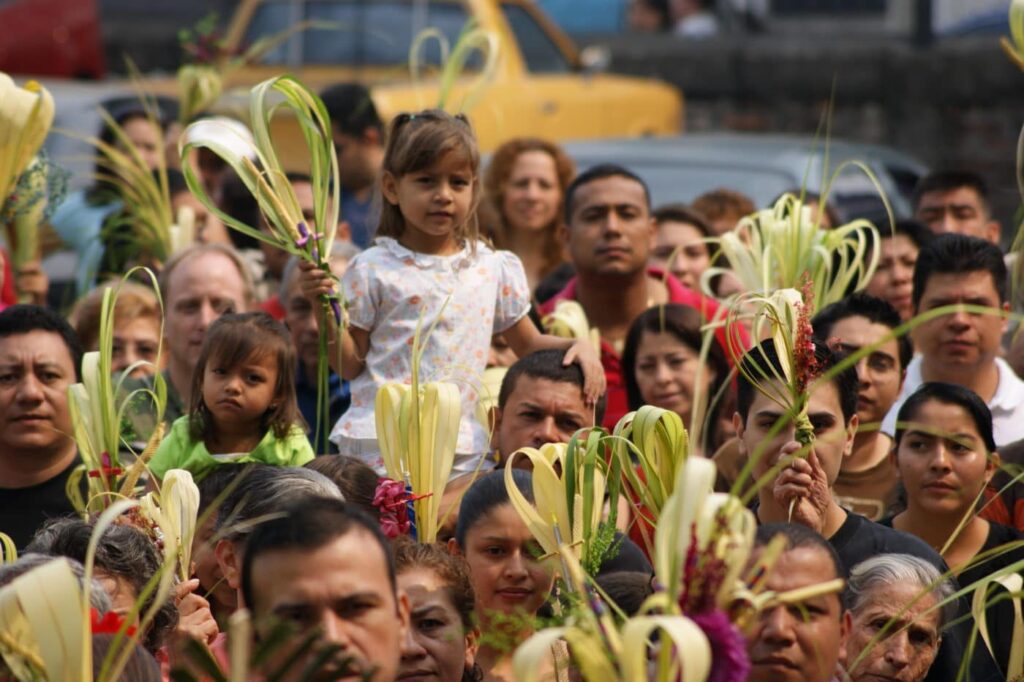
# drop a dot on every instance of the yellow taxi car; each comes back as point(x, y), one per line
point(542, 85)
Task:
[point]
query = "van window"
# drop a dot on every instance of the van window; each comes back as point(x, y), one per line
point(362, 32)
point(540, 52)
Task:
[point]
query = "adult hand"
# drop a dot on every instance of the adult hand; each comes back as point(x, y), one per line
point(32, 283)
point(804, 485)
point(195, 619)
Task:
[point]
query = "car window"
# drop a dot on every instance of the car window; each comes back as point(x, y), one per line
point(539, 51)
point(362, 33)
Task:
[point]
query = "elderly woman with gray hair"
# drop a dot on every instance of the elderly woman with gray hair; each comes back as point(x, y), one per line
point(897, 623)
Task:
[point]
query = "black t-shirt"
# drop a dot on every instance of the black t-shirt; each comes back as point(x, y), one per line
point(24, 510)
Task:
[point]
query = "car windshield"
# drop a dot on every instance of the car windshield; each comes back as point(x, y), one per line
point(356, 32)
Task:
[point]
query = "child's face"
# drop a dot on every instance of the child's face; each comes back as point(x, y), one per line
point(238, 396)
point(434, 202)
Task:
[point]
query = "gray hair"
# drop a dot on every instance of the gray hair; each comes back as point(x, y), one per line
point(264, 491)
point(892, 569)
point(98, 597)
point(339, 249)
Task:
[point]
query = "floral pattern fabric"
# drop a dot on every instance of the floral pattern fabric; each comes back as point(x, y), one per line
point(463, 299)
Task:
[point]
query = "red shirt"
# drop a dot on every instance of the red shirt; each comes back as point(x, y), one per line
point(617, 403)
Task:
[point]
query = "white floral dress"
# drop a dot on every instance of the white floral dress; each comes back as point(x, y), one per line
point(469, 298)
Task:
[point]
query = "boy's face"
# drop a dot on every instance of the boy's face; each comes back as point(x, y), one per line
point(879, 373)
point(833, 435)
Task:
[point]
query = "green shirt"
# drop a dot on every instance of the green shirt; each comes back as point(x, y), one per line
point(179, 451)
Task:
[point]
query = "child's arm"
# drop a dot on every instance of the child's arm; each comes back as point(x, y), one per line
point(355, 342)
point(524, 338)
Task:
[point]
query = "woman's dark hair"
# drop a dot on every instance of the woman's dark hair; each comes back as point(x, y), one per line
point(123, 552)
point(684, 323)
point(948, 394)
point(232, 339)
point(486, 493)
point(495, 182)
point(627, 589)
point(141, 666)
point(356, 480)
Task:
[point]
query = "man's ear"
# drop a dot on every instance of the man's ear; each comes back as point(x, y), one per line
point(1006, 320)
point(738, 426)
point(994, 230)
point(845, 627)
point(453, 547)
point(230, 562)
point(851, 433)
point(371, 136)
point(389, 188)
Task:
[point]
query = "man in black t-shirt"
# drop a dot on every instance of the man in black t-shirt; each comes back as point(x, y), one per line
point(40, 357)
point(802, 488)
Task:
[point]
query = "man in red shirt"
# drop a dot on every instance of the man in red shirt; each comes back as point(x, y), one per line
point(610, 232)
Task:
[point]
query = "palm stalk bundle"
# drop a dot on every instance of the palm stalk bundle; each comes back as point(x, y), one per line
point(471, 40)
point(778, 247)
point(418, 431)
point(98, 407)
point(571, 484)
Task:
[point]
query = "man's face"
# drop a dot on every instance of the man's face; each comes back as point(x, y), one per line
point(343, 590)
point(960, 340)
point(611, 231)
point(893, 280)
point(879, 373)
point(356, 166)
point(540, 411)
point(300, 317)
point(833, 436)
point(35, 371)
point(799, 641)
point(201, 289)
point(960, 211)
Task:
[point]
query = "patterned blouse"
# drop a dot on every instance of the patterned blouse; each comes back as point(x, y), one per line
point(463, 300)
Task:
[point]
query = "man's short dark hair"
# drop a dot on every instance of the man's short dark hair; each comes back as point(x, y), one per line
point(845, 382)
point(958, 254)
point(874, 310)
point(600, 172)
point(916, 231)
point(351, 109)
point(22, 319)
point(797, 537)
point(949, 180)
point(309, 525)
point(546, 364)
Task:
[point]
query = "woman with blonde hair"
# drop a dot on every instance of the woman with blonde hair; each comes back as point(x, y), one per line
point(137, 319)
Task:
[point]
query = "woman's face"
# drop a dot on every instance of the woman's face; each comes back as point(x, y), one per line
point(437, 646)
point(144, 136)
point(503, 563)
point(678, 248)
point(942, 460)
point(908, 649)
point(532, 192)
point(667, 373)
point(135, 340)
point(894, 277)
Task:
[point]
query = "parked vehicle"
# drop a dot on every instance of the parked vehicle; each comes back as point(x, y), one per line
point(543, 84)
point(761, 166)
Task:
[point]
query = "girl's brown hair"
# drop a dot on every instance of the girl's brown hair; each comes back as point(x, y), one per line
point(496, 178)
point(418, 141)
point(232, 339)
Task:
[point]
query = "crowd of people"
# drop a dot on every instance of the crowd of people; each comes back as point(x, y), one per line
point(908, 494)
